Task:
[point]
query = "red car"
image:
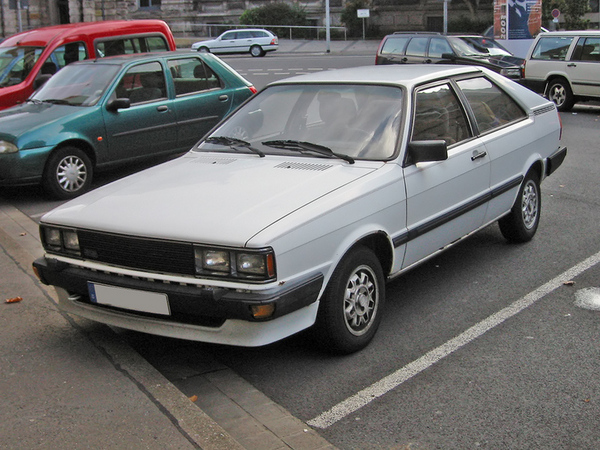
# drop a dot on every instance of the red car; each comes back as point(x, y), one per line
point(29, 58)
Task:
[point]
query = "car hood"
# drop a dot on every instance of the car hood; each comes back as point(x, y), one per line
point(500, 62)
point(222, 199)
point(24, 118)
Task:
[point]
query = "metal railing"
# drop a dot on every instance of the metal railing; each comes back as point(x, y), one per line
point(208, 29)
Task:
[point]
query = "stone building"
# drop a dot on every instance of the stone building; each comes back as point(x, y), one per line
point(190, 17)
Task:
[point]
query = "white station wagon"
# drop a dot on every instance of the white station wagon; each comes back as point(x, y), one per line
point(294, 211)
point(255, 41)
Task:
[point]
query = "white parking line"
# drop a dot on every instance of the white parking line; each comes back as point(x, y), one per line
point(392, 381)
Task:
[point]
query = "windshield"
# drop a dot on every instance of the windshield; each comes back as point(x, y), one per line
point(478, 46)
point(355, 121)
point(77, 85)
point(16, 63)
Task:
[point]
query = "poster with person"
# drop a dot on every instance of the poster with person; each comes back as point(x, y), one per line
point(517, 19)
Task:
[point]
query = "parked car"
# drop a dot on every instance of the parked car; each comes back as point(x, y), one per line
point(435, 48)
point(565, 67)
point(95, 114)
point(257, 42)
point(295, 210)
point(29, 58)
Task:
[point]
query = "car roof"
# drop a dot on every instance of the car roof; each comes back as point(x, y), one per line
point(394, 74)
point(127, 58)
point(571, 33)
point(43, 36)
point(247, 29)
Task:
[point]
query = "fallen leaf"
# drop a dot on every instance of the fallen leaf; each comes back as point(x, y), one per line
point(13, 300)
point(194, 398)
point(569, 283)
point(23, 234)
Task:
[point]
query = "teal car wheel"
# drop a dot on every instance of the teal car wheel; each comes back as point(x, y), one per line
point(68, 173)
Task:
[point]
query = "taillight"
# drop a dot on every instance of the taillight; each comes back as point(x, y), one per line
point(273, 41)
point(523, 70)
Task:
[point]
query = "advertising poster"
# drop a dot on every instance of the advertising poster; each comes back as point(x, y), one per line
point(517, 19)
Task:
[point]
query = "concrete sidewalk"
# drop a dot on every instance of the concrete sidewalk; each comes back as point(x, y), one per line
point(70, 383)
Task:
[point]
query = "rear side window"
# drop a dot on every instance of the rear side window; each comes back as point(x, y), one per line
point(588, 49)
point(552, 48)
point(122, 46)
point(491, 106)
point(417, 47)
point(394, 45)
point(191, 75)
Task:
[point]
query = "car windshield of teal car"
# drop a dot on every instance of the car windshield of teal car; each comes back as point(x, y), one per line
point(324, 120)
point(16, 63)
point(76, 85)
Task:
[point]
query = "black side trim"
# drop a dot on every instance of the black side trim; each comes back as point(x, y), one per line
point(450, 216)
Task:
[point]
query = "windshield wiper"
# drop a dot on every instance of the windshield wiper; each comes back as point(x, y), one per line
point(56, 101)
point(303, 146)
point(233, 143)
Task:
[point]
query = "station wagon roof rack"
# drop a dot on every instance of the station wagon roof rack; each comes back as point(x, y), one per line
point(417, 32)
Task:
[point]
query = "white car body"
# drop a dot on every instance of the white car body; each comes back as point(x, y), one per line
point(312, 212)
point(255, 41)
point(564, 66)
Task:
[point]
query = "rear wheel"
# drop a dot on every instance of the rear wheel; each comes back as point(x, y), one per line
point(559, 91)
point(521, 224)
point(256, 50)
point(350, 310)
point(68, 173)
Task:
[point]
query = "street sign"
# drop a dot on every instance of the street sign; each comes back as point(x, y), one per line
point(555, 13)
point(362, 13)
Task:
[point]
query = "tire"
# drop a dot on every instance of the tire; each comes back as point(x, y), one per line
point(68, 173)
point(256, 50)
point(350, 309)
point(521, 224)
point(559, 91)
point(203, 50)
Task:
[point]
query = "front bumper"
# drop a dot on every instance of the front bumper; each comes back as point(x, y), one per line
point(188, 304)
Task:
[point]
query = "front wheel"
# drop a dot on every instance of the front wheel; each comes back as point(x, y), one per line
point(203, 50)
point(256, 50)
point(350, 309)
point(68, 173)
point(521, 224)
point(561, 94)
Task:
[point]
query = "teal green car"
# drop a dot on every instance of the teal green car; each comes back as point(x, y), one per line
point(95, 114)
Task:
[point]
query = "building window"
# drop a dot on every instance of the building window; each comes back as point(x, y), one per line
point(149, 4)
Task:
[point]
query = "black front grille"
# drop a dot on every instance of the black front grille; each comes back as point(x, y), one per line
point(138, 253)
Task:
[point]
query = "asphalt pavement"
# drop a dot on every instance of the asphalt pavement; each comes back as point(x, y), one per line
point(70, 383)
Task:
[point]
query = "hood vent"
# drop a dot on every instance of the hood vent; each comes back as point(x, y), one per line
point(214, 160)
point(303, 166)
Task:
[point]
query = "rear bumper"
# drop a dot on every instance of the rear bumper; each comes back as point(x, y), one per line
point(554, 161)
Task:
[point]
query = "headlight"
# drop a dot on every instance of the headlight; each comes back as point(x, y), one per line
point(60, 240)
point(255, 265)
point(513, 72)
point(7, 147)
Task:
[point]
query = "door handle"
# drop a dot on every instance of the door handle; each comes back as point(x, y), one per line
point(477, 155)
point(571, 65)
point(223, 98)
point(427, 61)
point(162, 108)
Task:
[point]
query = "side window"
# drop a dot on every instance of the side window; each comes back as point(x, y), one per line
point(63, 55)
point(110, 48)
point(417, 47)
point(229, 36)
point(156, 44)
point(438, 115)
point(191, 75)
point(394, 45)
point(19, 66)
point(491, 106)
point(439, 46)
point(244, 35)
point(588, 49)
point(552, 48)
point(142, 83)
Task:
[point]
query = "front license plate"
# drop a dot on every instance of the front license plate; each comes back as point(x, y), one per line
point(149, 302)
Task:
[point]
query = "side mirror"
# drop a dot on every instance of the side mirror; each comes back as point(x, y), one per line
point(41, 80)
point(450, 56)
point(427, 151)
point(118, 103)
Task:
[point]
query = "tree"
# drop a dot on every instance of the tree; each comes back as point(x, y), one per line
point(279, 13)
point(572, 11)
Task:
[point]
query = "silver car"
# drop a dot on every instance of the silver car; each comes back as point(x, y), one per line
point(257, 42)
